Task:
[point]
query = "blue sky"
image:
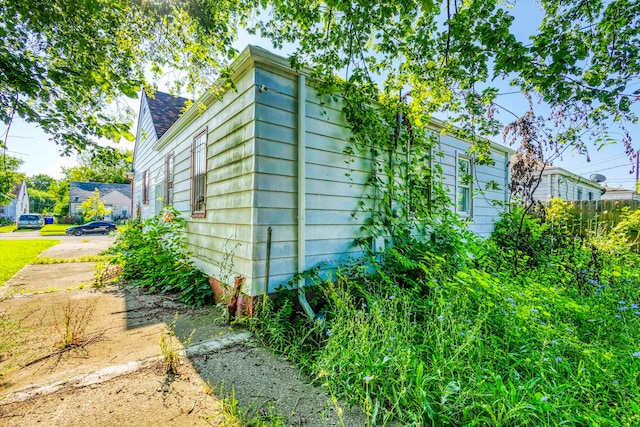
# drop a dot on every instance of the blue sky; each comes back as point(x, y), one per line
point(40, 155)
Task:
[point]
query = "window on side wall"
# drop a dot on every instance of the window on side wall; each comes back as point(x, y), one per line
point(579, 194)
point(464, 180)
point(145, 187)
point(198, 174)
point(168, 180)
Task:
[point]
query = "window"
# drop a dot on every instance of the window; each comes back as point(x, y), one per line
point(168, 180)
point(590, 195)
point(145, 187)
point(579, 194)
point(463, 183)
point(198, 173)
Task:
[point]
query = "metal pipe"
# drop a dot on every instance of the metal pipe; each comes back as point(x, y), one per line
point(302, 193)
point(266, 268)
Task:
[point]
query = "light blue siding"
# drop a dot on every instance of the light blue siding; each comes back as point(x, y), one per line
point(252, 178)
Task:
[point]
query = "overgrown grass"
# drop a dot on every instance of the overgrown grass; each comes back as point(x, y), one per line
point(153, 255)
point(18, 253)
point(236, 416)
point(12, 334)
point(54, 229)
point(416, 339)
point(82, 258)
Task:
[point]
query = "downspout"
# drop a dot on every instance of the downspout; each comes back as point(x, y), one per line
point(302, 193)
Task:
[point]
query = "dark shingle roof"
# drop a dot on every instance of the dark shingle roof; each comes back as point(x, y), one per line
point(165, 109)
point(81, 191)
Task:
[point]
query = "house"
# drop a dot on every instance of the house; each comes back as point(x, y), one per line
point(116, 198)
point(558, 182)
point(19, 203)
point(619, 193)
point(266, 161)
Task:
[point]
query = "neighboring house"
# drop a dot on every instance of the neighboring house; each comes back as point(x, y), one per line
point(270, 153)
point(566, 185)
point(19, 203)
point(116, 197)
point(619, 193)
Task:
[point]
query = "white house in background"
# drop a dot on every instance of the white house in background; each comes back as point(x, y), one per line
point(566, 185)
point(619, 193)
point(270, 154)
point(19, 203)
point(116, 198)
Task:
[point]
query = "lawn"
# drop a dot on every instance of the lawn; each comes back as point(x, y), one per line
point(54, 229)
point(18, 253)
point(7, 228)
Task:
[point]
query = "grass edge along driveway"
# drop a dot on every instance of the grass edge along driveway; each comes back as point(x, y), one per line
point(18, 253)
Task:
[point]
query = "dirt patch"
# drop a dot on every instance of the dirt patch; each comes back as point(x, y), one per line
point(110, 374)
point(263, 382)
point(126, 325)
point(147, 397)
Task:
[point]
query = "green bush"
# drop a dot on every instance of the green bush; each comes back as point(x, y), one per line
point(153, 255)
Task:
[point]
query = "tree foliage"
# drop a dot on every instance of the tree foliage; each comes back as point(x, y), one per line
point(101, 164)
point(582, 61)
point(59, 191)
point(64, 63)
point(40, 201)
point(93, 208)
point(40, 182)
point(9, 177)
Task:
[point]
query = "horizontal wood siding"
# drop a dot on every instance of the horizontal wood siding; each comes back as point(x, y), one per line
point(221, 241)
point(331, 196)
point(487, 204)
point(252, 181)
point(557, 183)
point(145, 159)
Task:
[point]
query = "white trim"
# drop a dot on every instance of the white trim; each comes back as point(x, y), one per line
point(469, 213)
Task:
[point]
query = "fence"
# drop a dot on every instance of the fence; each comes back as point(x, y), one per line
point(599, 216)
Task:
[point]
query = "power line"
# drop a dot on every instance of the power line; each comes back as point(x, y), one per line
point(591, 165)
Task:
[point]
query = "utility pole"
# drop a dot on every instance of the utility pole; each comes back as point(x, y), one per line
point(636, 190)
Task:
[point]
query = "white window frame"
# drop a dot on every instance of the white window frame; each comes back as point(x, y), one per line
point(169, 179)
point(145, 187)
point(461, 185)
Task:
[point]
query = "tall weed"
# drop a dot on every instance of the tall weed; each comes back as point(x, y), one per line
point(427, 339)
point(153, 254)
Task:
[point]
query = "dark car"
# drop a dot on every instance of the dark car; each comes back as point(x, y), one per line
point(104, 227)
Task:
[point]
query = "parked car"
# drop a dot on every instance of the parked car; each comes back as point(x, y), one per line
point(29, 221)
point(93, 227)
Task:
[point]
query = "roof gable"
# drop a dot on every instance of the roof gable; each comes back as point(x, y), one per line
point(165, 109)
point(115, 198)
point(18, 188)
point(81, 191)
